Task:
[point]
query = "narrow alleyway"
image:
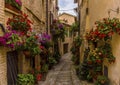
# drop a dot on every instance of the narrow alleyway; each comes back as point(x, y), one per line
point(62, 74)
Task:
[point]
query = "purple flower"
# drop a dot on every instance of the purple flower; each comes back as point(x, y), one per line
point(45, 36)
point(2, 41)
point(60, 26)
point(19, 2)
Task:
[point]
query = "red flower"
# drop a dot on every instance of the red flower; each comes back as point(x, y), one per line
point(36, 37)
point(38, 77)
point(102, 35)
point(42, 47)
point(110, 33)
point(98, 61)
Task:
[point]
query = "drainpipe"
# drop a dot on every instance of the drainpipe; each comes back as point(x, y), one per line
point(47, 16)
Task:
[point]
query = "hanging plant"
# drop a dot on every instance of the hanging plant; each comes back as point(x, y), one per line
point(20, 23)
point(57, 30)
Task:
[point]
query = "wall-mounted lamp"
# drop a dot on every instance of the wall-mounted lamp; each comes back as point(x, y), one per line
point(116, 10)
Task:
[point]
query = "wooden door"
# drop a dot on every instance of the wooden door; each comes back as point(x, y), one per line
point(12, 67)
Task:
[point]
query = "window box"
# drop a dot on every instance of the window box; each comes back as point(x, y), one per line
point(9, 6)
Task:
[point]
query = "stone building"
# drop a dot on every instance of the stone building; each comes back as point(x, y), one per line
point(38, 12)
point(91, 11)
point(67, 20)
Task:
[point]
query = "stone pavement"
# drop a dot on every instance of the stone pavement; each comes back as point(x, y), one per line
point(63, 74)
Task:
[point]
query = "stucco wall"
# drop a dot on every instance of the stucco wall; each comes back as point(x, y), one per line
point(3, 65)
point(70, 19)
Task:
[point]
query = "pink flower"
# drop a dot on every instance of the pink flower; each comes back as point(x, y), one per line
point(19, 2)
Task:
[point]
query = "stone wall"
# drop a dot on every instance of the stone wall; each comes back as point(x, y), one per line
point(3, 65)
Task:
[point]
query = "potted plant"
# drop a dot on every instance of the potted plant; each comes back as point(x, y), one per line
point(11, 39)
point(25, 79)
point(37, 74)
point(57, 30)
point(30, 43)
point(101, 80)
point(20, 23)
point(44, 70)
point(45, 40)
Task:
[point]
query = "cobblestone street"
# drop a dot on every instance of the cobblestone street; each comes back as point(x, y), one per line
point(63, 74)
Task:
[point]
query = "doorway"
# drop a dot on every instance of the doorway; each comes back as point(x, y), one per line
point(12, 67)
point(65, 48)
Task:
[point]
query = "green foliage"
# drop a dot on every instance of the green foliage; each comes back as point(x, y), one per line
point(14, 3)
point(78, 41)
point(74, 58)
point(52, 60)
point(30, 44)
point(101, 80)
point(57, 57)
point(44, 68)
point(57, 30)
point(25, 79)
point(74, 27)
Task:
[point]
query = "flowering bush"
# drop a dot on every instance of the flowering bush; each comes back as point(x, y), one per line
point(20, 23)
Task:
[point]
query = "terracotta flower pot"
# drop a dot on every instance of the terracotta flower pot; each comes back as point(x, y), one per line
point(102, 82)
point(26, 53)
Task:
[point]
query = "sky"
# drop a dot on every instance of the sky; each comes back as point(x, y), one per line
point(67, 5)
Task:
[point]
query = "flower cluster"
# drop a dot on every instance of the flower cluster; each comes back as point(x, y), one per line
point(100, 38)
point(104, 29)
point(20, 36)
point(57, 30)
point(11, 39)
point(30, 43)
point(37, 74)
point(18, 2)
point(20, 23)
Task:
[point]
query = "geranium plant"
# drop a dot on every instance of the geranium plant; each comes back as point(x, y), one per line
point(37, 74)
point(30, 43)
point(20, 23)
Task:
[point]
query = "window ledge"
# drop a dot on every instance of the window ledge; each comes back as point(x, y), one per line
point(11, 9)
